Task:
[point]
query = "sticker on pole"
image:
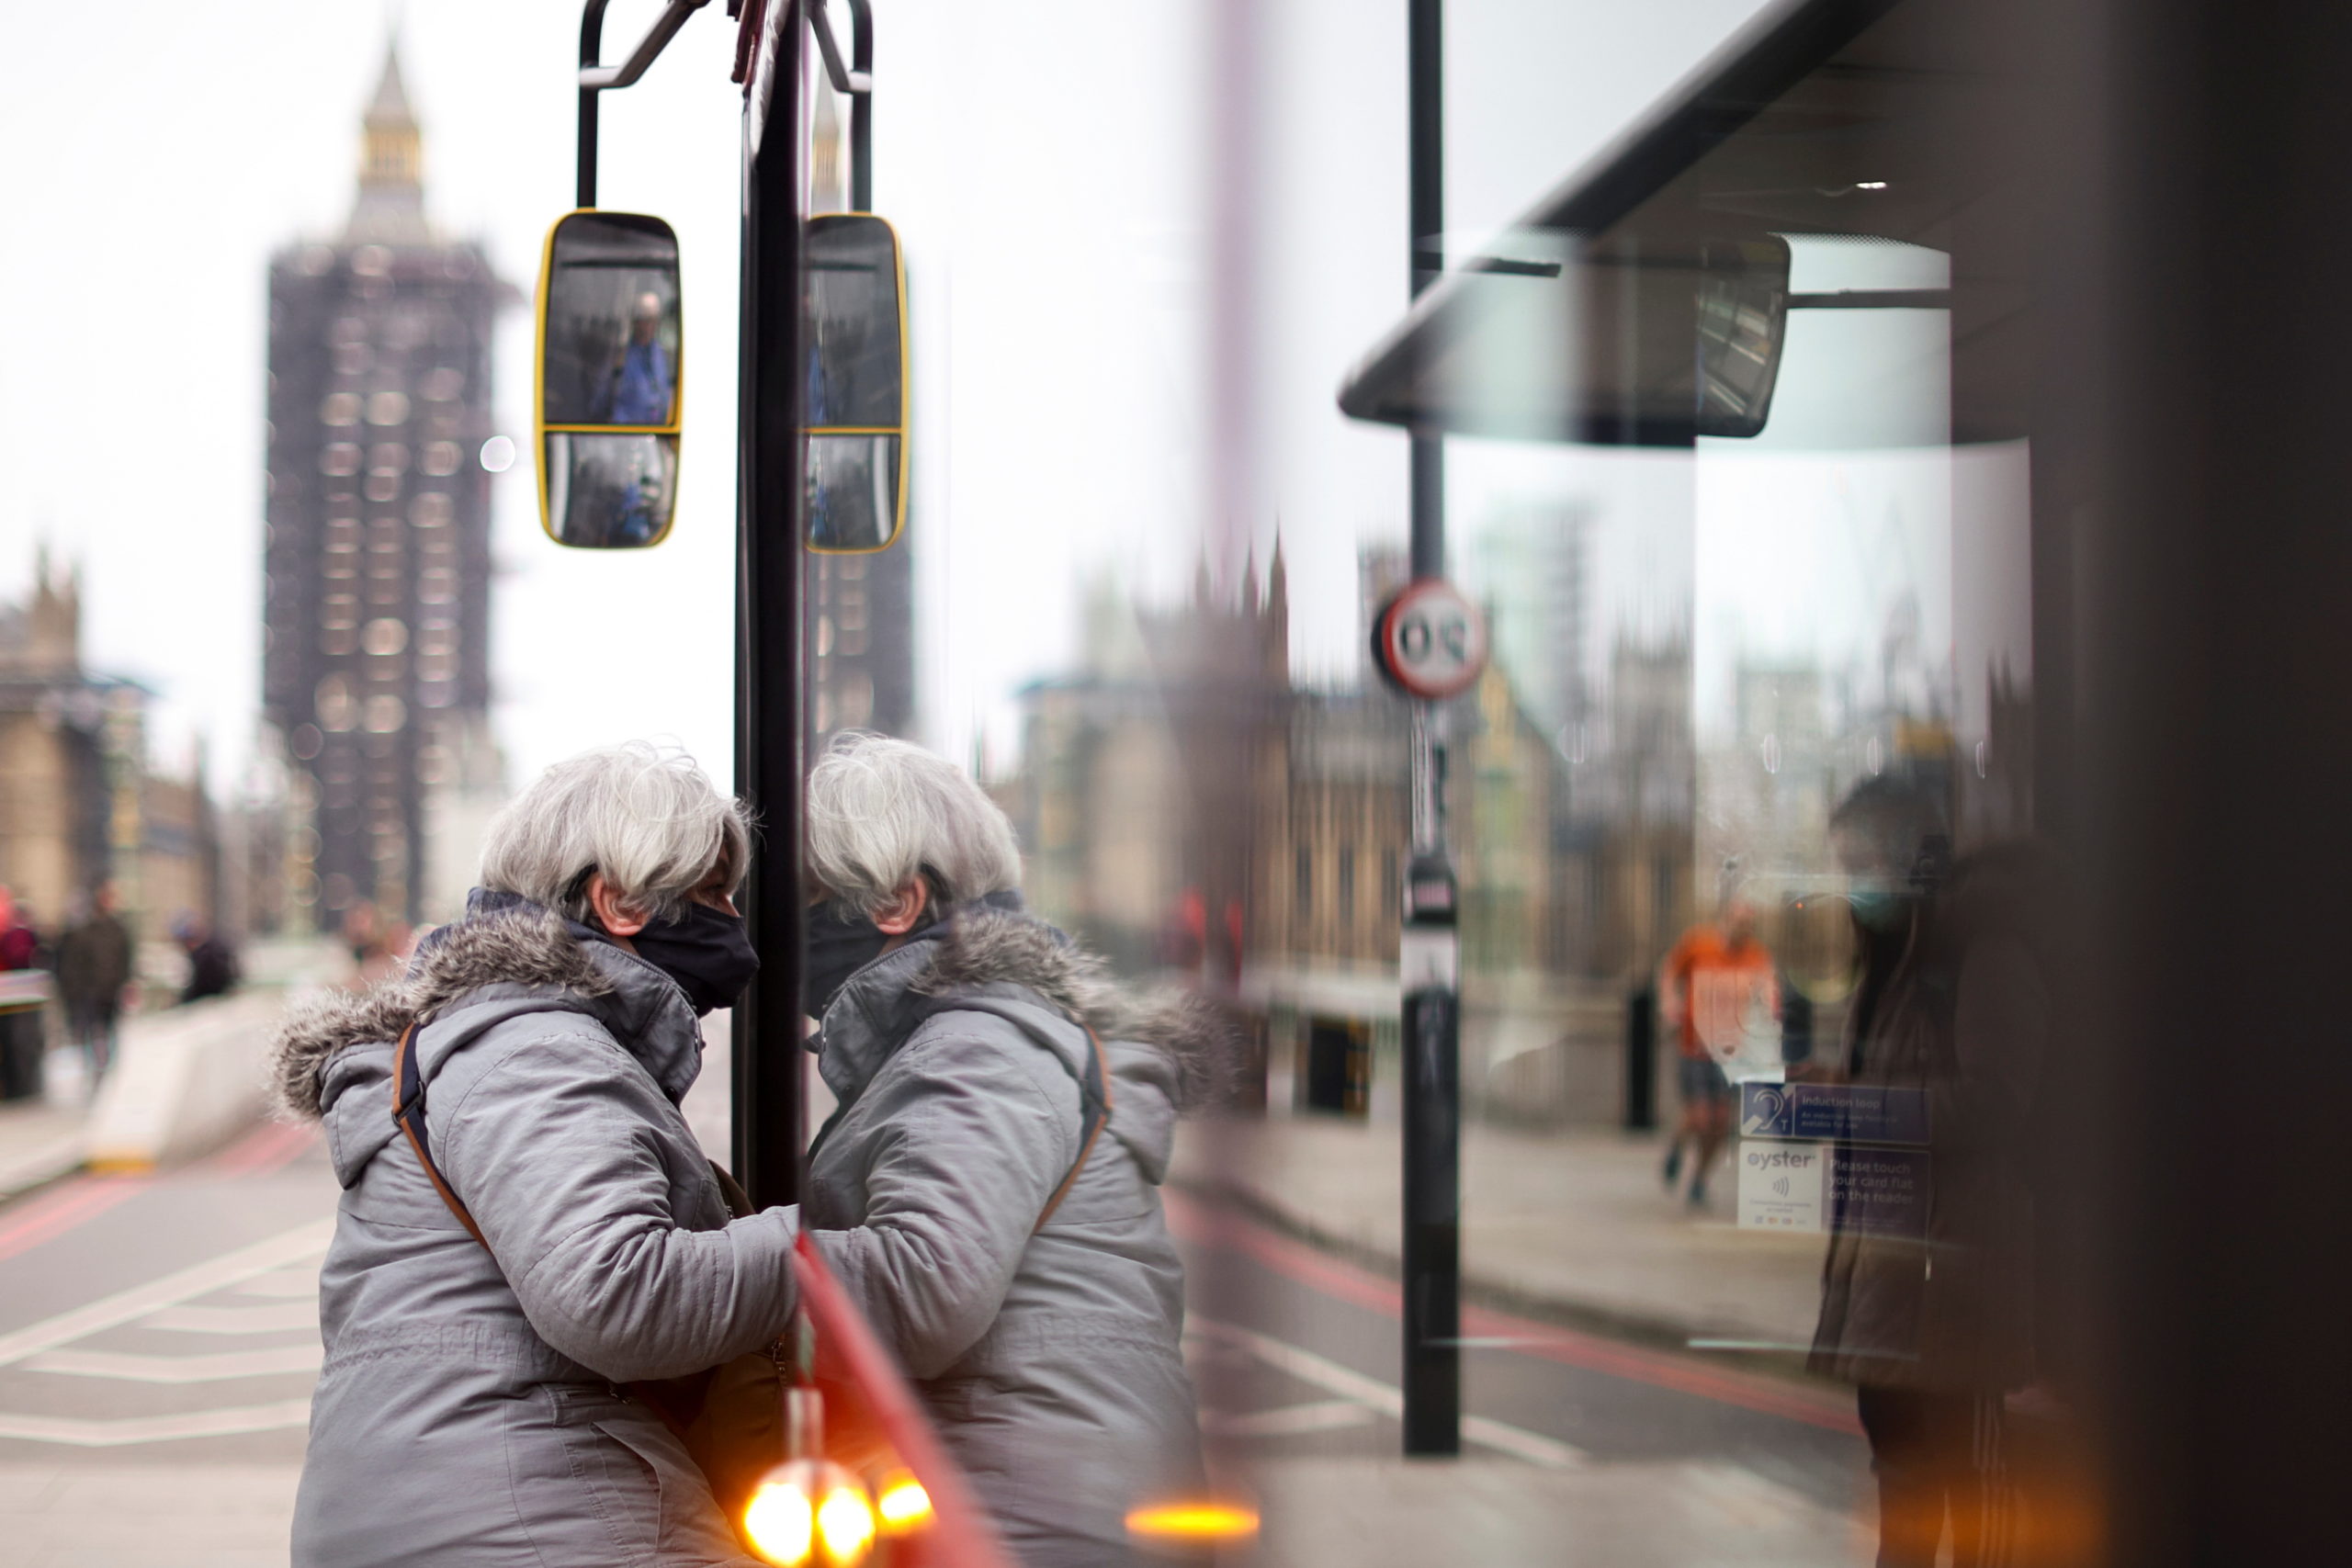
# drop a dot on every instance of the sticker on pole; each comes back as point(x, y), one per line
point(1430, 640)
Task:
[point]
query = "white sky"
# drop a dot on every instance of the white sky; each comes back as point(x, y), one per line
point(1050, 170)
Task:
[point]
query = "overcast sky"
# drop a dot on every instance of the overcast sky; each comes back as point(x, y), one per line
point(1051, 170)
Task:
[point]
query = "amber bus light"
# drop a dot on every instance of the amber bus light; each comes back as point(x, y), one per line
point(903, 1504)
point(1195, 1521)
point(810, 1512)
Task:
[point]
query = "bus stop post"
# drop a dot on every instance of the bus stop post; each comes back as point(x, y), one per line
point(1429, 959)
point(769, 1061)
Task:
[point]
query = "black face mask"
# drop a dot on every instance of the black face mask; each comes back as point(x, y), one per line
point(706, 950)
point(841, 942)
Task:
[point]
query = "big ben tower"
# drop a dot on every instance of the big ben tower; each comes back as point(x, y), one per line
point(375, 667)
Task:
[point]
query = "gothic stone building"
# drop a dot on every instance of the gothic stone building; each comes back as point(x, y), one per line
point(378, 593)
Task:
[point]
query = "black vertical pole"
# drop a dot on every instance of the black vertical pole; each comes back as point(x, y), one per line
point(861, 124)
point(1429, 958)
point(769, 1105)
point(591, 36)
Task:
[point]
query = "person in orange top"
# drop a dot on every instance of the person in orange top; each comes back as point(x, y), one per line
point(1717, 976)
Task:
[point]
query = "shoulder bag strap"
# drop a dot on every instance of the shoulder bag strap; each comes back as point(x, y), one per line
point(408, 1114)
point(1094, 1114)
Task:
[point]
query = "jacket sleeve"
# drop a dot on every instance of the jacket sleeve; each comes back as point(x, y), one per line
point(973, 1138)
point(556, 1149)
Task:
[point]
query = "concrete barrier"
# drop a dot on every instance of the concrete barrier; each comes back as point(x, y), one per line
point(185, 1081)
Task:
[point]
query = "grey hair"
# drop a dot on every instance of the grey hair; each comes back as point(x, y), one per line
point(643, 815)
point(884, 812)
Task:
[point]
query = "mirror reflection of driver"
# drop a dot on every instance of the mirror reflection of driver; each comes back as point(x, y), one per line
point(643, 382)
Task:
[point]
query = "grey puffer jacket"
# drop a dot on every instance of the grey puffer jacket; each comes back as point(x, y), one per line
point(467, 1415)
point(1053, 1360)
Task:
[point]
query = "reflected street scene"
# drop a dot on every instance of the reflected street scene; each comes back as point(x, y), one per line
point(610, 491)
point(1518, 782)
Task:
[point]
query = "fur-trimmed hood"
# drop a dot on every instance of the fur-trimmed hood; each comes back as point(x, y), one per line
point(1180, 1038)
point(992, 948)
point(521, 953)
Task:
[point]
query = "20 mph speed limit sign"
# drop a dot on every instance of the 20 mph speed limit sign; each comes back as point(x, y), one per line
point(1430, 641)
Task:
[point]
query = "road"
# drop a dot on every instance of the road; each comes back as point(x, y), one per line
point(158, 1339)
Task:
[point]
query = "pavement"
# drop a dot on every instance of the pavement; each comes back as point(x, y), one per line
point(1573, 1227)
point(41, 1140)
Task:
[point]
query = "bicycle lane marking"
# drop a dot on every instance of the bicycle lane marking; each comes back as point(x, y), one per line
point(54, 1212)
point(304, 1241)
point(1203, 1224)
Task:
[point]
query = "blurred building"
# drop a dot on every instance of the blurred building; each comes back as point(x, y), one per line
point(858, 627)
point(375, 668)
point(1534, 570)
point(1187, 808)
point(79, 801)
point(858, 615)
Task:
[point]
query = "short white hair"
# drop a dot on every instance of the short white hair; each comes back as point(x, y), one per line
point(644, 815)
point(884, 812)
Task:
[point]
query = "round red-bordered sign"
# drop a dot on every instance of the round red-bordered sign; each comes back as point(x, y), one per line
point(1430, 640)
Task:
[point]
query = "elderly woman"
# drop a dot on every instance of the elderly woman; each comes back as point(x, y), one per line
point(467, 1413)
point(987, 1188)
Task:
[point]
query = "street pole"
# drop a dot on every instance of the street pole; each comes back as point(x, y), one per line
point(769, 1061)
point(1429, 955)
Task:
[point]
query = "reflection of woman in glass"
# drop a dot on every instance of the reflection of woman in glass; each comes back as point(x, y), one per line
point(644, 382)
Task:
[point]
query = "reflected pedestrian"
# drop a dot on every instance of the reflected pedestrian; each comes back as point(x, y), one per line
point(1714, 986)
point(1928, 1310)
point(94, 970)
point(989, 1188)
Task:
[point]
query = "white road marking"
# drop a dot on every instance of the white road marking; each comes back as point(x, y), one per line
point(140, 1300)
point(1290, 1420)
point(84, 1434)
point(285, 1284)
point(1385, 1398)
point(276, 1318)
point(179, 1368)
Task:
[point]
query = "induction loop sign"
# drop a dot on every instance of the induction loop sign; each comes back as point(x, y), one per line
point(1430, 640)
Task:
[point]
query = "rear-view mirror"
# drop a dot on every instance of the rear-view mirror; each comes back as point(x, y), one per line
point(1629, 338)
point(854, 312)
point(610, 394)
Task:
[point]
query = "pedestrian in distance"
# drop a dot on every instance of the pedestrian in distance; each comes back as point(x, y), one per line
point(544, 1228)
point(94, 971)
point(212, 969)
point(987, 1189)
point(1715, 984)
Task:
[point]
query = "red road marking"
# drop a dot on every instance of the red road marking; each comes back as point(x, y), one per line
point(82, 1198)
point(1199, 1223)
point(56, 1212)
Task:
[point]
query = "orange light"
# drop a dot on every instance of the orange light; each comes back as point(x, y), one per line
point(845, 1521)
point(1195, 1521)
point(809, 1512)
point(903, 1504)
point(780, 1522)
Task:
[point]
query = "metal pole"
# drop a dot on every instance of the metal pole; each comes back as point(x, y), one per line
point(1431, 949)
point(592, 40)
point(861, 124)
point(770, 1108)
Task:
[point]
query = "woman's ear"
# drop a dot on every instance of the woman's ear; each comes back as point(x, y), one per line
point(897, 917)
point(618, 918)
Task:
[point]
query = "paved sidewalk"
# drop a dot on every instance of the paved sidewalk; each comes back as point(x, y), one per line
point(1574, 1226)
point(41, 1140)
